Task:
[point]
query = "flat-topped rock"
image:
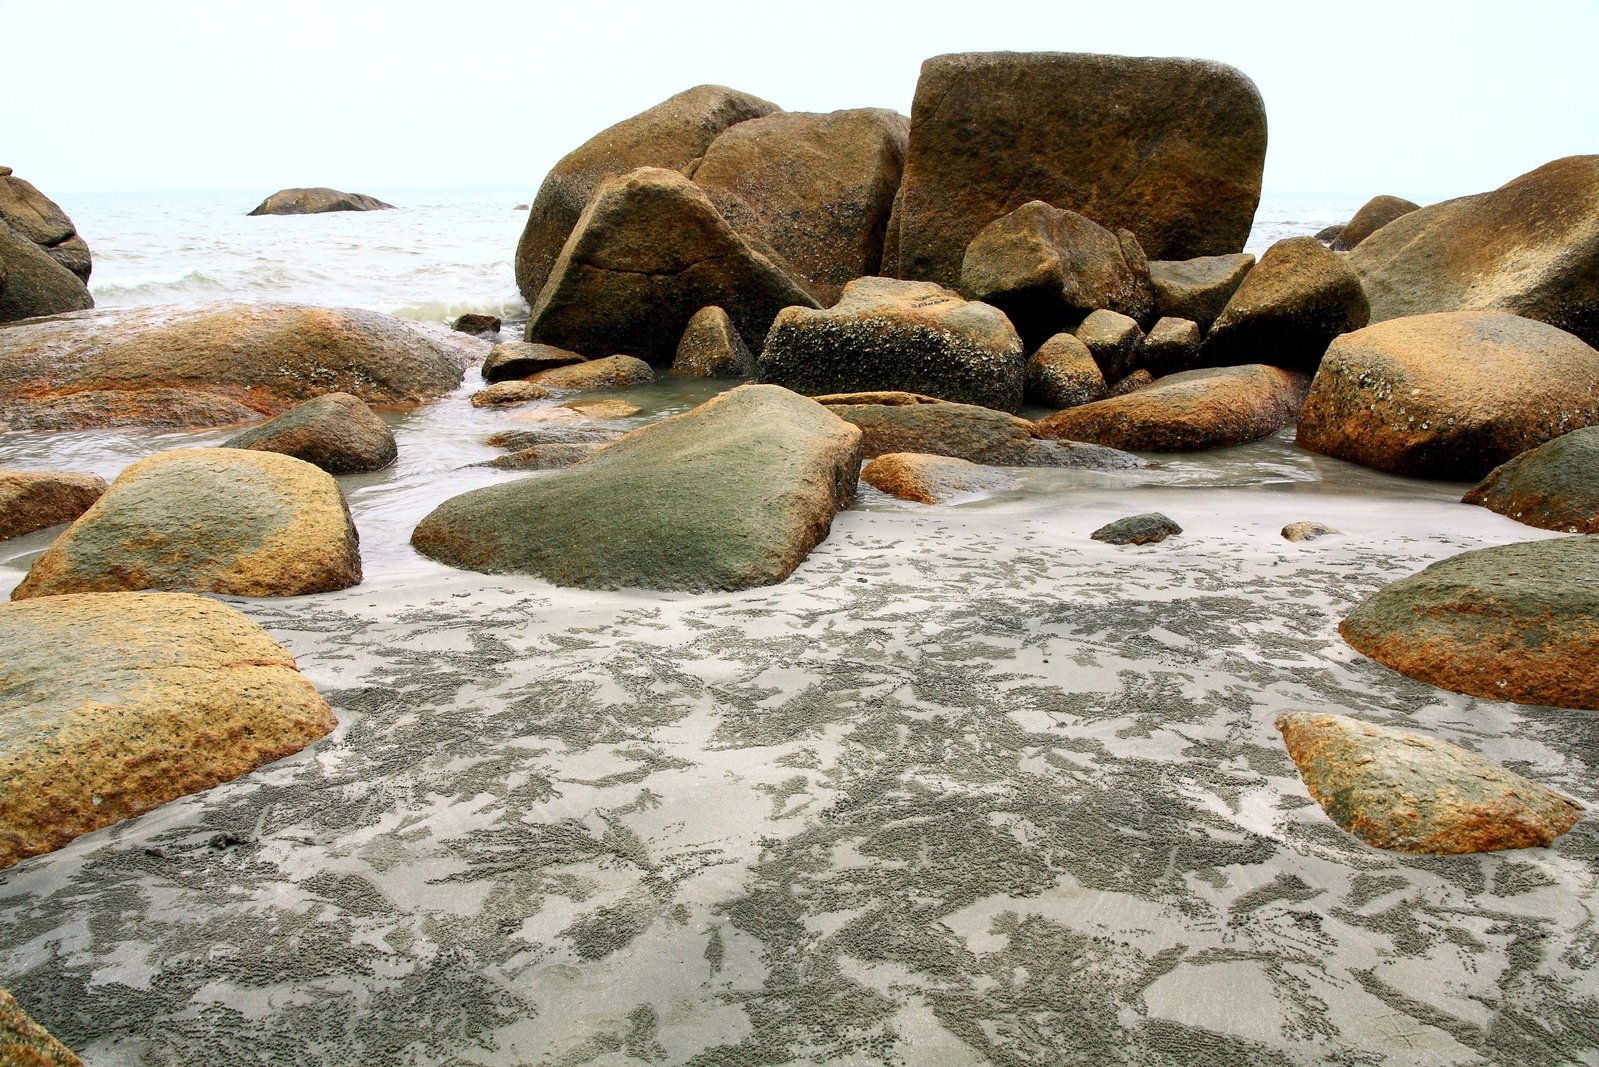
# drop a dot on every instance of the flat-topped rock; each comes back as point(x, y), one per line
point(611, 372)
point(730, 495)
point(885, 334)
point(115, 703)
point(1450, 395)
point(316, 200)
point(1198, 289)
point(336, 432)
point(510, 360)
point(930, 479)
point(213, 364)
point(1404, 791)
point(37, 500)
point(212, 520)
point(1513, 622)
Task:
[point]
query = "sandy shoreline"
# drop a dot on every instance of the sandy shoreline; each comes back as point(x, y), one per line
point(968, 788)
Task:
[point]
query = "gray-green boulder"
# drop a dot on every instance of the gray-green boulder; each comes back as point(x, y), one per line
point(1554, 486)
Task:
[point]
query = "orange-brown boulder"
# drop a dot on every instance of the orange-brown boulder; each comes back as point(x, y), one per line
point(1373, 215)
point(1554, 486)
point(929, 479)
point(1288, 309)
point(24, 1043)
point(35, 500)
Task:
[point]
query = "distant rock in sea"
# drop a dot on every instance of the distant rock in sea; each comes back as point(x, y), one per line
point(316, 201)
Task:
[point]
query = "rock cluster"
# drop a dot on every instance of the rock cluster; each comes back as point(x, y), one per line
point(44, 264)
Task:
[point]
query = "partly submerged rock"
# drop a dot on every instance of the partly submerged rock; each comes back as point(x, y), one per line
point(1063, 374)
point(673, 134)
point(910, 422)
point(1171, 149)
point(648, 252)
point(510, 360)
point(475, 322)
point(611, 372)
point(1554, 486)
point(1530, 248)
point(24, 1043)
point(1513, 622)
point(1199, 288)
point(931, 479)
point(212, 520)
point(509, 394)
point(1403, 791)
point(711, 348)
point(544, 457)
point(1373, 215)
point(730, 495)
point(903, 336)
point(1288, 309)
point(1450, 395)
point(1147, 529)
point(36, 500)
point(1210, 408)
point(114, 703)
point(336, 432)
point(316, 200)
point(212, 364)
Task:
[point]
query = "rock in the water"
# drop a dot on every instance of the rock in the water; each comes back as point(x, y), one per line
point(1328, 234)
point(34, 284)
point(673, 134)
point(40, 220)
point(930, 479)
point(546, 457)
point(903, 336)
point(509, 394)
point(517, 440)
point(611, 407)
point(24, 1043)
point(1530, 247)
point(1046, 269)
point(336, 432)
point(315, 201)
point(1288, 309)
point(1554, 486)
point(36, 500)
point(1514, 622)
point(909, 422)
point(1450, 395)
point(1115, 341)
point(1171, 149)
point(612, 372)
point(1210, 408)
point(207, 520)
point(212, 365)
point(1198, 288)
point(816, 189)
point(473, 322)
point(711, 348)
point(1147, 529)
point(649, 251)
point(1373, 215)
point(730, 495)
point(1407, 792)
point(1307, 531)
point(118, 702)
point(1171, 346)
point(511, 360)
point(1063, 374)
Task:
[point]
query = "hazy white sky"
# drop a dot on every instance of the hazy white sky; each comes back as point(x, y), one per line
point(1418, 99)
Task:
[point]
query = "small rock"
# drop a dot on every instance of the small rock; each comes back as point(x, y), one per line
point(932, 479)
point(542, 457)
point(520, 359)
point(473, 322)
point(517, 440)
point(1198, 289)
point(612, 372)
point(1114, 340)
point(1170, 347)
point(1138, 379)
point(509, 394)
point(336, 432)
point(1147, 529)
point(1406, 792)
point(36, 500)
point(607, 408)
point(1063, 374)
point(1307, 531)
point(712, 348)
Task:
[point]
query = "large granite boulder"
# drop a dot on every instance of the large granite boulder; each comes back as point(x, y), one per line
point(114, 703)
point(1512, 622)
point(1288, 309)
point(893, 335)
point(213, 364)
point(34, 284)
point(711, 348)
point(673, 134)
point(36, 500)
point(1554, 486)
point(1046, 269)
point(649, 251)
point(1450, 395)
point(510, 360)
point(1373, 215)
point(910, 422)
point(336, 432)
point(815, 189)
point(315, 201)
point(1198, 289)
point(1198, 409)
point(730, 495)
point(1530, 247)
point(929, 479)
point(1407, 792)
point(1171, 149)
point(207, 520)
point(1063, 374)
point(37, 218)
point(24, 1043)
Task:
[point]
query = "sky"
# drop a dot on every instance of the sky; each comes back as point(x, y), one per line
point(1408, 97)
